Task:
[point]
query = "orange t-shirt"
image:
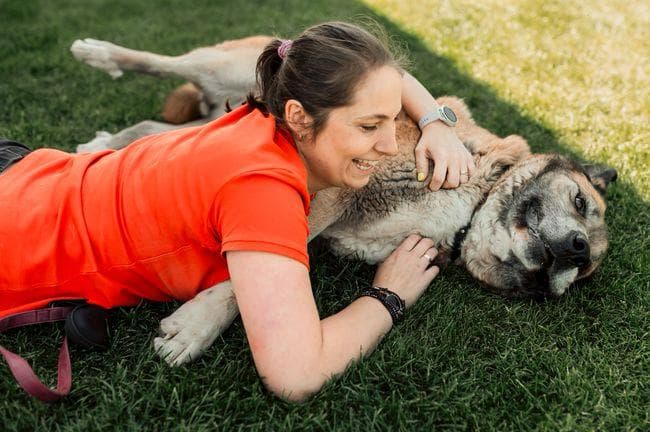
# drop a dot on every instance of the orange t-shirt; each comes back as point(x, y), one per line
point(151, 221)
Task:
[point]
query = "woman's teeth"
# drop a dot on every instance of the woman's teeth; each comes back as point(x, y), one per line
point(365, 165)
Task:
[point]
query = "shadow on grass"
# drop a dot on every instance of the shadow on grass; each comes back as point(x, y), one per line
point(49, 99)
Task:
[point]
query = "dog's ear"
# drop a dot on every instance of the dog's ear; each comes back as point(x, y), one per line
point(600, 176)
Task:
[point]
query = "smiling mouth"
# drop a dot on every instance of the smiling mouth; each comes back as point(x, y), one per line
point(364, 164)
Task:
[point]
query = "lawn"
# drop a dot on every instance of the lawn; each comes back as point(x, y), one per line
point(571, 77)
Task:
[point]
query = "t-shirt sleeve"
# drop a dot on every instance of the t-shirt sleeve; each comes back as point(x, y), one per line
point(258, 212)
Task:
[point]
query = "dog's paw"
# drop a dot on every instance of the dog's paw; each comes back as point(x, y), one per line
point(97, 54)
point(193, 327)
point(180, 344)
point(100, 142)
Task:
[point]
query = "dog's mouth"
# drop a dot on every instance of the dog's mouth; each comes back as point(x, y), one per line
point(549, 256)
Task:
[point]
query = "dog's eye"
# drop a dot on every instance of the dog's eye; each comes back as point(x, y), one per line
point(580, 204)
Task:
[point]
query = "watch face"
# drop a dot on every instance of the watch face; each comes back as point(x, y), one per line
point(392, 300)
point(451, 115)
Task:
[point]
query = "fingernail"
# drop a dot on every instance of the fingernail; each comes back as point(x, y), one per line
point(421, 176)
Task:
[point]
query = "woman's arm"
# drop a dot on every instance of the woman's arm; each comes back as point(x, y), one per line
point(438, 142)
point(294, 351)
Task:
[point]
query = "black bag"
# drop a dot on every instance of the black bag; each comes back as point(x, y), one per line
point(11, 152)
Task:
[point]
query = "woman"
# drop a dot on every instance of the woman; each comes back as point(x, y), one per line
point(178, 212)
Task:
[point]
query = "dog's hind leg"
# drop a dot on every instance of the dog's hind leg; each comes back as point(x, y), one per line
point(223, 71)
point(193, 327)
point(222, 74)
point(105, 140)
point(115, 59)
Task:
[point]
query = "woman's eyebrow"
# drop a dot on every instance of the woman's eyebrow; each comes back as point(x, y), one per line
point(374, 117)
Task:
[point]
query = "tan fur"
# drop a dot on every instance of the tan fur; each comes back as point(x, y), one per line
point(183, 104)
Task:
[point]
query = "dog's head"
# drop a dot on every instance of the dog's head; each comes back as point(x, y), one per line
point(541, 228)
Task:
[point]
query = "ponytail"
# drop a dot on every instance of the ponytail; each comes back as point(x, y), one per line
point(268, 66)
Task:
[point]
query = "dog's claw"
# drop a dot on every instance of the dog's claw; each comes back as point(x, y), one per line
point(180, 346)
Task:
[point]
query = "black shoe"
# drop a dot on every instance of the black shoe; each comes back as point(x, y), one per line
point(87, 325)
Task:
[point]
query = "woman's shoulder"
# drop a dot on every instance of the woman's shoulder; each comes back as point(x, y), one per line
point(247, 140)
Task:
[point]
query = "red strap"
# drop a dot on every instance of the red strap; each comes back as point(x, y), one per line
point(37, 316)
point(19, 367)
point(28, 380)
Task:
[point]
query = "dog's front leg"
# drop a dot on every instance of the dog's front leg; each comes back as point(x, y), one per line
point(193, 327)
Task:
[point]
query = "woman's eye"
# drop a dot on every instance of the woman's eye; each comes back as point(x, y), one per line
point(580, 203)
point(368, 128)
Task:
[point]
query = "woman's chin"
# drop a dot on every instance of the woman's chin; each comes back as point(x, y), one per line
point(357, 182)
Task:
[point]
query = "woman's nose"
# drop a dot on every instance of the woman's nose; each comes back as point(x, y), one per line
point(388, 143)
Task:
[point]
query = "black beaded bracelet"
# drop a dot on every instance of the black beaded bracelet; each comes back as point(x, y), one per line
point(394, 303)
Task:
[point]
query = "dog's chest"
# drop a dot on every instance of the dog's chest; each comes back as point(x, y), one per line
point(363, 234)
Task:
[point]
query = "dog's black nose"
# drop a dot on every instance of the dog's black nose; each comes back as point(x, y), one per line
point(580, 244)
point(574, 248)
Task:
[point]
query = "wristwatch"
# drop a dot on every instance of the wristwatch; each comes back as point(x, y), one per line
point(442, 113)
point(395, 305)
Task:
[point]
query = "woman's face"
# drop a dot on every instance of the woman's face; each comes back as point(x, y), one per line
point(355, 137)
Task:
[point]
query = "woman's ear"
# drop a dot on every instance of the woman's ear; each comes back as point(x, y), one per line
point(297, 118)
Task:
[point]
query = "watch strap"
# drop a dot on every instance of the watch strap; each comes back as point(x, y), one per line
point(435, 114)
point(396, 309)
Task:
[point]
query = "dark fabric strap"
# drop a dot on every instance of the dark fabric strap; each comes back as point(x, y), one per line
point(11, 152)
point(19, 367)
point(4, 142)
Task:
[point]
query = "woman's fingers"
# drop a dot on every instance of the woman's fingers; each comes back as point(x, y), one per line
point(439, 175)
point(419, 246)
point(471, 166)
point(463, 176)
point(468, 168)
point(459, 172)
point(422, 247)
point(432, 272)
point(430, 254)
point(453, 176)
point(410, 242)
point(408, 270)
point(421, 162)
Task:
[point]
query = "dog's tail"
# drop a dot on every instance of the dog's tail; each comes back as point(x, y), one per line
point(184, 104)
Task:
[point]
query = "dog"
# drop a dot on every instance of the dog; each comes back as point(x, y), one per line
point(524, 225)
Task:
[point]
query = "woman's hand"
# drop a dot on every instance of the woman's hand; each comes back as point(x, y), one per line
point(407, 271)
point(453, 163)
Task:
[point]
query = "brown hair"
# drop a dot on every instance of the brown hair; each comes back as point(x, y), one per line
point(321, 70)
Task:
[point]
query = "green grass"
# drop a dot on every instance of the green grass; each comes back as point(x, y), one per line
point(571, 77)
